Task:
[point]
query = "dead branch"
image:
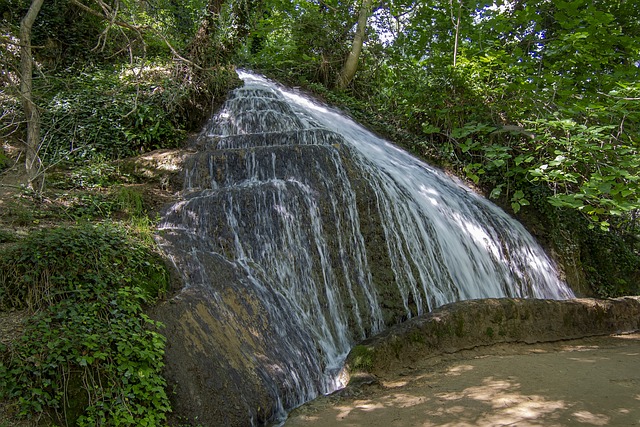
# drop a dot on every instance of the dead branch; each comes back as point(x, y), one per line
point(139, 30)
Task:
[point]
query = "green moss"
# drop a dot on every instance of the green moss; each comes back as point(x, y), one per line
point(361, 358)
point(498, 316)
point(459, 327)
point(600, 314)
point(441, 331)
point(568, 320)
point(416, 337)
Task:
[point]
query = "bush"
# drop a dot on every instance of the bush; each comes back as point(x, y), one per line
point(112, 112)
point(89, 355)
point(77, 263)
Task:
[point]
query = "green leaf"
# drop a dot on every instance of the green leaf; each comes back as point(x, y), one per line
point(495, 193)
point(429, 129)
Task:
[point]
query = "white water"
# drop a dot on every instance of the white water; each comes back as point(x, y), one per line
point(273, 195)
point(433, 212)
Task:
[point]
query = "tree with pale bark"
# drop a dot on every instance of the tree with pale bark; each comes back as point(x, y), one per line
point(33, 162)
point(113, 32)
point(351, 63)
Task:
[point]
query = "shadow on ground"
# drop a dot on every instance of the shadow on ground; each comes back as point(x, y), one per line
point(587, 382)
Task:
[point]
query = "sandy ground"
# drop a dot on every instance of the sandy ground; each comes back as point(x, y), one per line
point(587, 382)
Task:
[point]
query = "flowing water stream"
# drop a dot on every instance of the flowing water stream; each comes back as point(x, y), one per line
point(332, 234)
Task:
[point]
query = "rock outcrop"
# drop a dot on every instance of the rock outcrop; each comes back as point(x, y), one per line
point(469, 324)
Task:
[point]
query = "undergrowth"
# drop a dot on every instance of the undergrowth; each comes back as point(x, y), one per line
point(88, 355)
point(107, 111)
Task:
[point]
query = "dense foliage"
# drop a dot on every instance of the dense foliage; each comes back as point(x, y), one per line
point(113, 80)
point(110, 80)
point(534, 102)
point(89, 355)
point(511, 94)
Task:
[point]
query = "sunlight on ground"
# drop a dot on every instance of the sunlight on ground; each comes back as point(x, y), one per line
point(460, 369)
point(582, 360)
point(502, 401)
point(394, 384)
point(634, 336)
point(507, 403)
point(575, 385)
point(592, 419)
point(579, 347)
point(406, 400)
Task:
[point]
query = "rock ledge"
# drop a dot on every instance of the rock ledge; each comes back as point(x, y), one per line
point(468, 324)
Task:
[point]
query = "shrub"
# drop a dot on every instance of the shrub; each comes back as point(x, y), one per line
point(79, 263)
point(89, 355)
point(107, 112)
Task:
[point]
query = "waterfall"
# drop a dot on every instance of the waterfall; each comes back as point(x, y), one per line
point(307, 233)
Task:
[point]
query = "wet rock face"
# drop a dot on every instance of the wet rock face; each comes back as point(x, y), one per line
point(468, 324)
point(292, 242)
point(210, 370)
point(239, 352)
point(272, 292)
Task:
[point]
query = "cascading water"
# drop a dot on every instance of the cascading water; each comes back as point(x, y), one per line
point(327, 234)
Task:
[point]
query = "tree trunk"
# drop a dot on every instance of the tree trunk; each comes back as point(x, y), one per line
point(351, 64)
point(33, 163)
point(456, 24)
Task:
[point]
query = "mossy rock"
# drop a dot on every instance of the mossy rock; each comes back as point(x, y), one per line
point(360, 359)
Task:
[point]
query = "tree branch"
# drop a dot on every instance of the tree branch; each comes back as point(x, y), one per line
point(139, 30)
point(7, 40)
point(106, 17)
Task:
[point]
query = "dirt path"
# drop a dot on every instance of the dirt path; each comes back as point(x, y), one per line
point(587, 382)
